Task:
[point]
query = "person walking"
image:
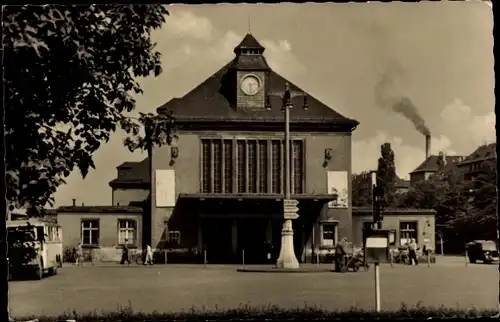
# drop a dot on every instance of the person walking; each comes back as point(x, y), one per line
point(149, 255)
point(412, 248)
point(125, 257)
point(340, 253)
point(79, 254)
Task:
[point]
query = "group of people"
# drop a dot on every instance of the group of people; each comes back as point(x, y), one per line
point(148, 255)
point(412, 246)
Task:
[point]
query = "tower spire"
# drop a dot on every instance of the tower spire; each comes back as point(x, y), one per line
point(249, 25)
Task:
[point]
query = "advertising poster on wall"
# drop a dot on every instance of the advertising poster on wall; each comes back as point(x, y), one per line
point(165, 188)
point(338, 184)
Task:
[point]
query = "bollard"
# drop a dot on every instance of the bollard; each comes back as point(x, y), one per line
point(243, 257)
point(317, 259)
point(466, 262)
point(428, 258)
point(205, 257)
point(391, 257)
point(165, 253)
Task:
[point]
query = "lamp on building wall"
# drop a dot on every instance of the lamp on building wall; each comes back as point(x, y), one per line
point(174, 153)
point(328, 157)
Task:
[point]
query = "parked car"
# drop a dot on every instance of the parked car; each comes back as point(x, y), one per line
point(482, 250)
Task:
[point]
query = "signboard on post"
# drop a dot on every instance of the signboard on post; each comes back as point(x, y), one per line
point(376, 244)
point(290, 208)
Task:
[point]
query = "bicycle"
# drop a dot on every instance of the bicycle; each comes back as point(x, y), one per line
point(401, 258)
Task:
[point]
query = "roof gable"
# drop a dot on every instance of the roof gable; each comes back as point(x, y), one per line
point(207, 102)
point(484, 152)
point(434, 164)
point(133, 174)
point(249, 42)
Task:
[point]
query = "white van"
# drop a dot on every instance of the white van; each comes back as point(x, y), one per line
point(46, 240)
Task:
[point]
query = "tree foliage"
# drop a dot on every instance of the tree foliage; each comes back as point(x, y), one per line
point(465, 210)
point(386, 172)
point(361, 189)
point(70, 73)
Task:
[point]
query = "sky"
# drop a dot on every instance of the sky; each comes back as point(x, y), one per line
point(439, 55)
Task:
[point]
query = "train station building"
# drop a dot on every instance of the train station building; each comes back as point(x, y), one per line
point(220, 186)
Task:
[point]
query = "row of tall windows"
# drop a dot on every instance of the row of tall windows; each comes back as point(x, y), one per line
point(250, 166)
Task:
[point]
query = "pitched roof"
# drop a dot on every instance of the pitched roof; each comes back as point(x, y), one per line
point(484, 152)
point(210, 101)
point(433, 164)
point(206, 103)
point(133, 174)
point(249, 42)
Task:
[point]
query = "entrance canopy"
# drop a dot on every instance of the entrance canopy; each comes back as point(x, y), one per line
point(251, 204)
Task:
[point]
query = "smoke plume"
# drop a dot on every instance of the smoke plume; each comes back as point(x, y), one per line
point(387, 96)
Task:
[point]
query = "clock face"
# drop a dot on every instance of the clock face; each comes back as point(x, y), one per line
point(250, 85)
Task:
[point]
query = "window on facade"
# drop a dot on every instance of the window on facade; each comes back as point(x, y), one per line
point(407, 231)
point(205, 147)
point(241, 177)
point(217, 166)
point(298, 166)
point(228, 166)
point(252, 166)
point(90, 232)
point(262, 166)
point(174, 237)
point(328, 237)
point(276, 166)
point(127, 232)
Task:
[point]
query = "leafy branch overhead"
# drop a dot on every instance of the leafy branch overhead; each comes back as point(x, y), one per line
point(70, 74)
point(157, 129)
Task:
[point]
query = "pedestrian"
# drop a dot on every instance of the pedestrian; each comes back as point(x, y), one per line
point(268, 249)
point(340, 253)
point(412, 247)
point(149, 255)
point(125, 253)
point(79, 254)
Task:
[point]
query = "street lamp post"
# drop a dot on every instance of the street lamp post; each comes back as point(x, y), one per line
point(287, 258)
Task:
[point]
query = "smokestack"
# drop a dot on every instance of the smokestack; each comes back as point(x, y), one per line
point(74, 202)
point(427, 146)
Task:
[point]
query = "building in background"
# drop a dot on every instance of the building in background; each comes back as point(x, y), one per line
point(101, 229)
point(442, 166)
point(473, 164)
point(406, 223)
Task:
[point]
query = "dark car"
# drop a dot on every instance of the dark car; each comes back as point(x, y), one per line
point(482, 250)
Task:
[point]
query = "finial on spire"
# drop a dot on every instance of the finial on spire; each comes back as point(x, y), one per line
point(249, 26)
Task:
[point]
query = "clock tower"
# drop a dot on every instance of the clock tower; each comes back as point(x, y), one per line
point(250, 73)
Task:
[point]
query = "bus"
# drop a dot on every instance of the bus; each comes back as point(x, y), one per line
point(34, 245)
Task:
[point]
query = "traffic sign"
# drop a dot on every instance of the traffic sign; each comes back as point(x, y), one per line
point(290, 215)
point(290, 208)
point(290, 202)
point(290, 205)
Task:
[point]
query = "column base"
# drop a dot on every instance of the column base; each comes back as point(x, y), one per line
point(287, 257)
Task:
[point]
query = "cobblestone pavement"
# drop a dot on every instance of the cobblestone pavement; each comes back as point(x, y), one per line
point(181, 287)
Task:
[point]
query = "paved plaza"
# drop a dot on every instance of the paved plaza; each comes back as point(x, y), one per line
point(180, 287)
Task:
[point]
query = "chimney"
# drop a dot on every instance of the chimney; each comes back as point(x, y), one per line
point(83, 205)
point(74, 202)
point(427, 146)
